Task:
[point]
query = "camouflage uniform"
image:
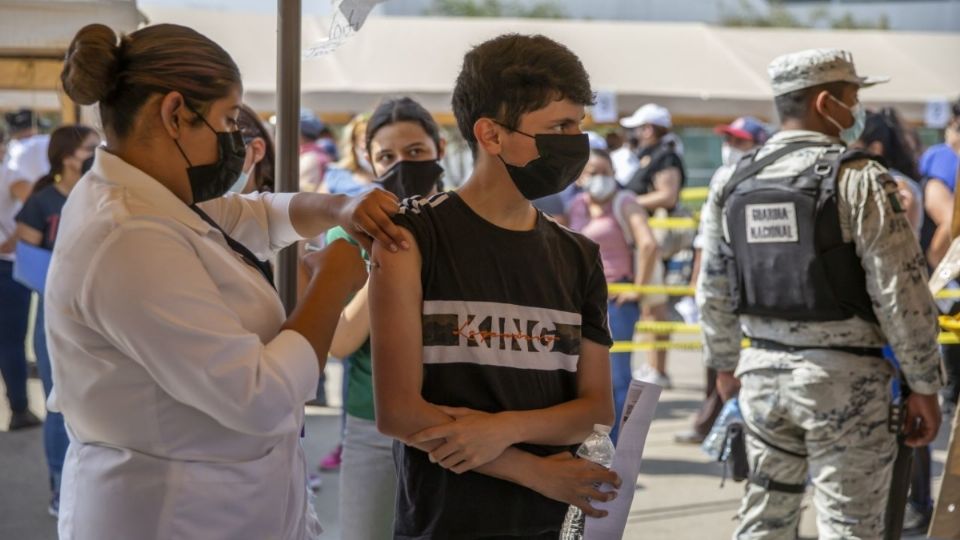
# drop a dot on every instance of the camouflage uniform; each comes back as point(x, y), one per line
point(829, 405)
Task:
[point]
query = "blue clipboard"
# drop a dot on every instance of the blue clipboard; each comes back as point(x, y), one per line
point(31, 266)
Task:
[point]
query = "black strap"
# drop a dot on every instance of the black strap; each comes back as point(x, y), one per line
point(248, 257)
point(772, 485)
point(746, 170)
point(753, 434)
point(758, 343)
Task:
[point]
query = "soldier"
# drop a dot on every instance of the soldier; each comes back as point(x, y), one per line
point(808, 254)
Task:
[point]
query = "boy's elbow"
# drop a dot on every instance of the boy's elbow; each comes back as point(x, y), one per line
point(391, 419)
point(387, 425)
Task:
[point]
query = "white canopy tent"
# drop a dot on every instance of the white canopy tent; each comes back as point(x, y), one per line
point(702, 73)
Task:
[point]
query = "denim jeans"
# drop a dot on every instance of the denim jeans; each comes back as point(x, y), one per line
point(368, 482)
point(55, 439)
point(14, 313)
point(622, 319)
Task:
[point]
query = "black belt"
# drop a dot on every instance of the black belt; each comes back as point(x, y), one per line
point(758, 343)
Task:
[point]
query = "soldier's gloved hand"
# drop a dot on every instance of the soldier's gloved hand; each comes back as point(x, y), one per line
point(727, 385)
point(922, 419)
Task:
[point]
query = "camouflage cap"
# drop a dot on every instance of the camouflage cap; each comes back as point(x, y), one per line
point(813, 67)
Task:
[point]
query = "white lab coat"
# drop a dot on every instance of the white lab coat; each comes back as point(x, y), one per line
point(182, 396)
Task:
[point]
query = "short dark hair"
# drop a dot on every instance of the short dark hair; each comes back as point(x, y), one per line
point(403, 109)
point(796, 104)
point(511, 75)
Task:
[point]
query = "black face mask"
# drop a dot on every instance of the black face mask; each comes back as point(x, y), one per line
point(412, 178)
point(214, 180)
point(86, 166)
point(561, 160)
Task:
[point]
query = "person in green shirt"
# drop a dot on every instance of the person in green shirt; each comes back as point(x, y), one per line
point(404, 146)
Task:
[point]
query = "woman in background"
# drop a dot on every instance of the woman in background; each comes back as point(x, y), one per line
point(37, 224)
point(259, 166)
point(613, 219)
point(403, 142)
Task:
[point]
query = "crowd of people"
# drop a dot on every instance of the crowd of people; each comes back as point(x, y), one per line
point(474, 324)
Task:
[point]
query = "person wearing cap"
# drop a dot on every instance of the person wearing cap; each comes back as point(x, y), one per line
point(316, 153)
point(818, 293)
point(660, 173)
point(25, 162)
point(657, 179)
point(739, 137)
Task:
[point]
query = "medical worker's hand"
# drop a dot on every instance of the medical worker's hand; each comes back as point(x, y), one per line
point(367, 219)
point(340, 260)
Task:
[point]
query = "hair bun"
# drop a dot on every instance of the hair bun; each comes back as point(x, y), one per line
point(91, 65)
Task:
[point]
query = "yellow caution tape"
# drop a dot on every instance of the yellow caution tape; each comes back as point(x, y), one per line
point(694, 194)
point(685, 223)
point(945, 338)
point(684, 290)
point(669, 290)
point(661, 328)
point(627, 346)
point(949, 338)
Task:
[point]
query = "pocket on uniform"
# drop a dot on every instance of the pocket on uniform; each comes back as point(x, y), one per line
point(232, 500)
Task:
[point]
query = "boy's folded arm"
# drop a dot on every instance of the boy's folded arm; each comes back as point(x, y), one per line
point(573, 421)
point(396, 342)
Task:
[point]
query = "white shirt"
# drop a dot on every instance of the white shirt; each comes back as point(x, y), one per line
point(182, 396)
point(26, 161)
point(625, 163)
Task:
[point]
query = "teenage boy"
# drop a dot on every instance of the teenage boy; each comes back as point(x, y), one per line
point(490, 340)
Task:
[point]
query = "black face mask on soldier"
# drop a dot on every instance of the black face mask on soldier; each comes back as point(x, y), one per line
point(214, 180)
point(412, 178)
point(561, 160)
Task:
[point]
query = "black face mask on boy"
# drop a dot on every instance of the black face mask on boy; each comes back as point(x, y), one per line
point(561, 160)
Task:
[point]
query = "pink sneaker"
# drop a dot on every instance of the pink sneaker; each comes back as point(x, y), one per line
point(331, 462)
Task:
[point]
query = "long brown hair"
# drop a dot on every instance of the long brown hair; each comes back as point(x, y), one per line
point(64, 142)
point(122, 73)
point(352, 133)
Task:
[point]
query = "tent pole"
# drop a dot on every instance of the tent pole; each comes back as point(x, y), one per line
point(288, 131)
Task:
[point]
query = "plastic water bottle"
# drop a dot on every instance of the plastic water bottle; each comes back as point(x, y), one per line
point(599, 449)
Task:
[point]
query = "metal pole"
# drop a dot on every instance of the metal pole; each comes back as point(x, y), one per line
point(288, 132)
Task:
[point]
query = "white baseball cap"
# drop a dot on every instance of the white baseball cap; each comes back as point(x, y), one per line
point(650, 113)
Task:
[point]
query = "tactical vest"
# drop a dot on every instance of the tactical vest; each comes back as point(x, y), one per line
point(785, 249)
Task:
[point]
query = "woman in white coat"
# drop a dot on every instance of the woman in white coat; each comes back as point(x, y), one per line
point(181, 379)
